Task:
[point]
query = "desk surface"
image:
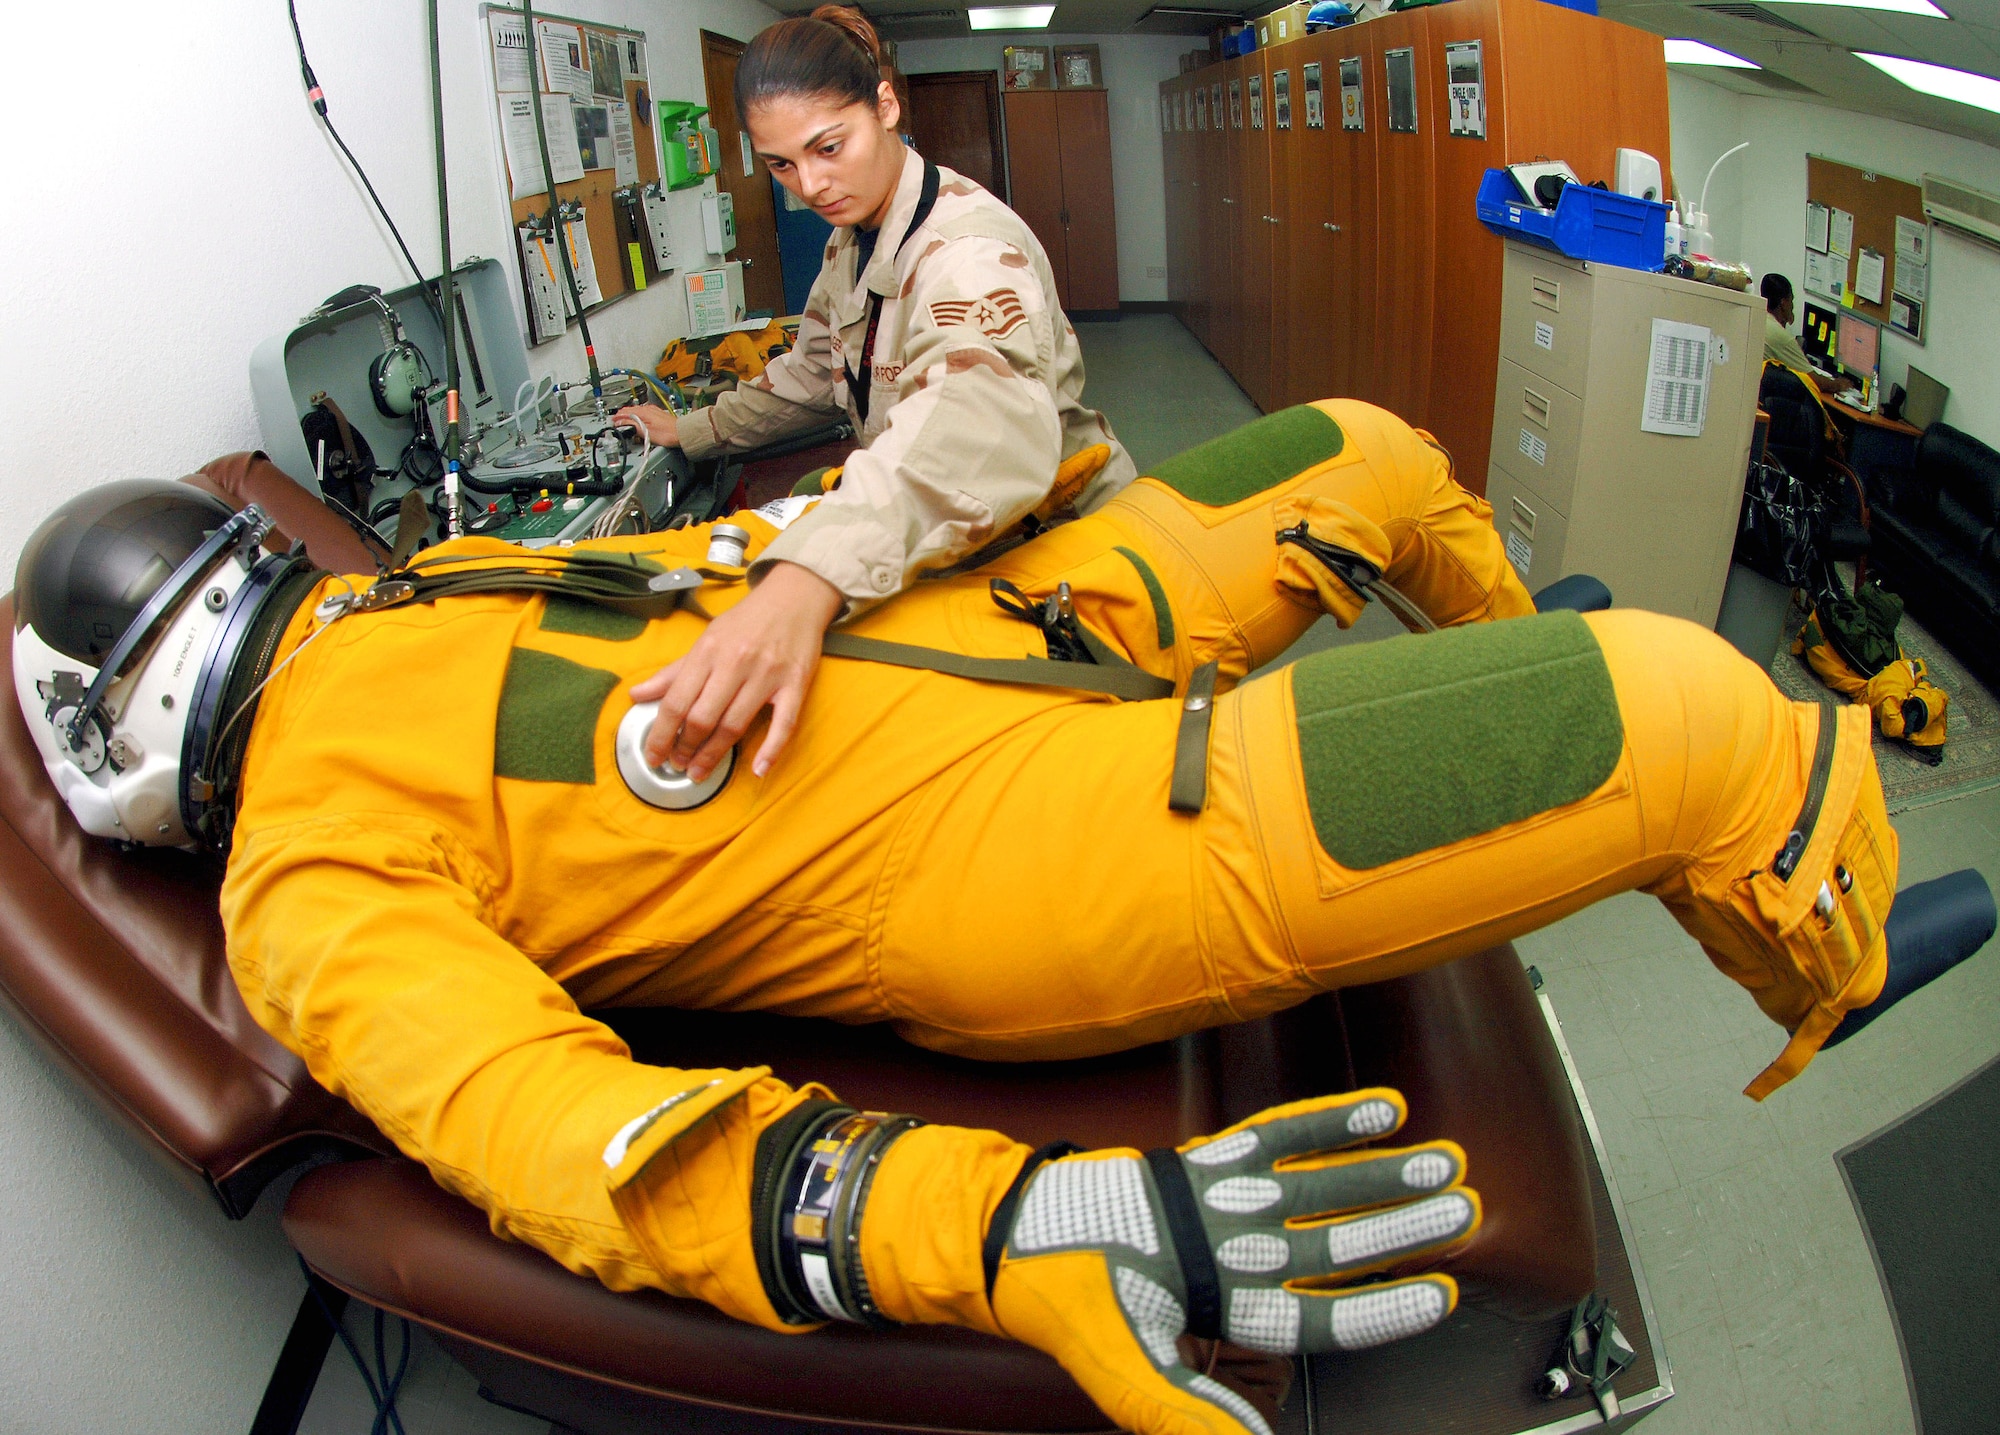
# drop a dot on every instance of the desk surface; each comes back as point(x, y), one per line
point(1860, 416)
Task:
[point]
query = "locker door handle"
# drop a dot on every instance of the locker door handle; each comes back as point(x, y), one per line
point(1330, 228)
point(1270, 219)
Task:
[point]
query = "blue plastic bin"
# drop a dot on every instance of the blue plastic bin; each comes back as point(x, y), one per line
point(1591, 224)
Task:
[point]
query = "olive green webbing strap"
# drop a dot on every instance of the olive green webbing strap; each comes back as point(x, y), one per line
point(1116, 678)
point(1189, 789)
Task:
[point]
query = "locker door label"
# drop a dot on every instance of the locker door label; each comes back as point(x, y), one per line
point(1465, 89)
point(1315, 99)
point(1351, 116)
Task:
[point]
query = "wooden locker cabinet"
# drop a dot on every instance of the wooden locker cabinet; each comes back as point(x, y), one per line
point(1379, 282)
point(1576, 485)
point(1059, 171)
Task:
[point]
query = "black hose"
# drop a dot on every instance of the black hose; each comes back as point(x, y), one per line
point(318, 98)
point(450, 315)
point(555, 205)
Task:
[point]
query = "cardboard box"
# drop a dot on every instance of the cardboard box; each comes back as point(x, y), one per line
point(1026, 67)
point(1282, 26)
point(1078, 67)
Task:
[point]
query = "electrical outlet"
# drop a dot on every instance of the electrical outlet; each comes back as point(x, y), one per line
point(1156, 271)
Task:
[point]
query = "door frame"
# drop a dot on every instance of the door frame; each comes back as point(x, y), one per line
point(996, 119)
point(711, 40)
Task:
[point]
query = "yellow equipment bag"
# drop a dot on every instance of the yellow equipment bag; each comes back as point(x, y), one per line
point(742, 354)
point(1906, 704)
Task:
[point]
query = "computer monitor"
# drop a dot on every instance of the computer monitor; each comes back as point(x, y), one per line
point(1923, 402)
point(1816, 334)
point(1858, 346)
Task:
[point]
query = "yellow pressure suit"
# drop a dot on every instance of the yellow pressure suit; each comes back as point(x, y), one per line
point(437, 866)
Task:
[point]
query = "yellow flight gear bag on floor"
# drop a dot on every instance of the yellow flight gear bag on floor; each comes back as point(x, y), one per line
point(740, 353)
point(1849, 643)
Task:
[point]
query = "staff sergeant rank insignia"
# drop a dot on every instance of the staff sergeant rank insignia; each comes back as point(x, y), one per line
point(996, 316)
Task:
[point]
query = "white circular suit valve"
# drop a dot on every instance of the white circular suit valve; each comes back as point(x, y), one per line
point(665, 786)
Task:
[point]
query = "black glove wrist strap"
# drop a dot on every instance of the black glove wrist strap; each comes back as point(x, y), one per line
point(1002, 1223)
point(1177, 1200)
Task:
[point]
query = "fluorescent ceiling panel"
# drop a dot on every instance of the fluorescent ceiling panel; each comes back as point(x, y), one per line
point(1900, 7)
point(1010, 17)
point(1979, 91)
point(1693, 52)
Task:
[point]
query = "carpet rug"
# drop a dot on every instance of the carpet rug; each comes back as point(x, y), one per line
point(1972, 721)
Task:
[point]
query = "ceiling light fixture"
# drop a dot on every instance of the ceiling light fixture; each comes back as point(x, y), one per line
point(1010, 17)
point(1979, 91)
point(1900, 7)
point(1693, 52)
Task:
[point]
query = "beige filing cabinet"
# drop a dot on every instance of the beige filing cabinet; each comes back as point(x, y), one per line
point(1577, 486)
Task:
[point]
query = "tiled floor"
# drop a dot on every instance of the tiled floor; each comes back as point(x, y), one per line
point(1767, 1302)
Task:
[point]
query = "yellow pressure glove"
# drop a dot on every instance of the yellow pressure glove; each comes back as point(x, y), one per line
point(1110, 1256)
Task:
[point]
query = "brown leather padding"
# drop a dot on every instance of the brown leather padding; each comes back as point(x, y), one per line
point(114, 962)
point(240, 479)
point(1465, 1042)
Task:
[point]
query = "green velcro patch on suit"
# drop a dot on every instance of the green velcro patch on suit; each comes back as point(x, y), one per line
point(1415, 743)
point(1254, 458)
point(1163, 616)
point(590, 620)
point(546, 729)
point(813, 484)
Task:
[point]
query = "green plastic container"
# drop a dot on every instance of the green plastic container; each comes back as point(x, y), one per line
point(687, 146)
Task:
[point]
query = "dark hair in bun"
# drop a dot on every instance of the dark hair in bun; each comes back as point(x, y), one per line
point(833, 52)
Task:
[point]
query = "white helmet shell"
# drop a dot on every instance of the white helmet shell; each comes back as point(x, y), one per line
point(123, 780)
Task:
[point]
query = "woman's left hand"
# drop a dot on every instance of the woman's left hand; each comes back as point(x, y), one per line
point(763, 652)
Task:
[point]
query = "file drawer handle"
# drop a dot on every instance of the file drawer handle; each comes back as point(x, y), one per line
point(1535, 407)
point(1546, 292)
point(1523, 518)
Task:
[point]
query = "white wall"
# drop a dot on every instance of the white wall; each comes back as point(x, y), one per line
point(1757, 212)
point(178, 209)
point(1134, 65)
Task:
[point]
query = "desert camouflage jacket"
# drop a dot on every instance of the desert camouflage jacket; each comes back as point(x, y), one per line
point(975, 393)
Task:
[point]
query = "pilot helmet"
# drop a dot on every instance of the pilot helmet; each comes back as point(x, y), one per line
point(143, 609)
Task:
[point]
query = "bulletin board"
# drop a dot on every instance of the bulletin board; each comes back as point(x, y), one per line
point(594, 66)
point(1888, 234)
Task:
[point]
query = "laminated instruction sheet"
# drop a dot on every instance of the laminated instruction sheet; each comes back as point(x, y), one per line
point(1677, 379)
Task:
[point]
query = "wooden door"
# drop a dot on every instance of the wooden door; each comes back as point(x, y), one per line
point(1173, 109)
point(1226, 322)
point(1286, 205)
point(1216, 302)
point(1465, 329)
point(746, 184)
point(1034, 175)
point(1254, 223)
point(1314, 328)
point(1352, 187)
point(1090, 221)
point(955, 121)
point(1399, 44)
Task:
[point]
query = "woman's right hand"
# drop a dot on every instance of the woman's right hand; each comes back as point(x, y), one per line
point(659, 425)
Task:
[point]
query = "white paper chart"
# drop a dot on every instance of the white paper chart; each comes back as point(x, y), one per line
point(1677, 379)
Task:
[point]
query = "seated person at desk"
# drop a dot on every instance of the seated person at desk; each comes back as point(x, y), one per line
point(1012, 868)
point(1780, 346)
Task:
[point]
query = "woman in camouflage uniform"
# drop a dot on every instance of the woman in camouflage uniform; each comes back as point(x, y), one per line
point(934, 329)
